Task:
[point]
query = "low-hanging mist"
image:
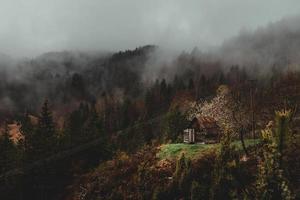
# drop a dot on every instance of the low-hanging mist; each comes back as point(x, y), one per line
point(62, 76)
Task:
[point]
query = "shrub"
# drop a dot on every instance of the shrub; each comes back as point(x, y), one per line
point(271, 183)
point(224, 183)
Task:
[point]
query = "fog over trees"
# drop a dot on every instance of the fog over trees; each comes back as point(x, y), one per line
point(178, 100)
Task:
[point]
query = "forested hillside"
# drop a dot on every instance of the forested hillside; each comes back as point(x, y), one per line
point(110, 125)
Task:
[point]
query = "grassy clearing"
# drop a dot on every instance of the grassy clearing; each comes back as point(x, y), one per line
point(171, 151)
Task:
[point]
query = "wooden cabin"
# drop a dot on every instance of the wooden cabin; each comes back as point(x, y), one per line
point(202, 129)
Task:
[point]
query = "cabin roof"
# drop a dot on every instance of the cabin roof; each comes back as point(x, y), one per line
point(205, 122)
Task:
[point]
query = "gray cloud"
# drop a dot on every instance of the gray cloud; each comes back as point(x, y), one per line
point(31, 27)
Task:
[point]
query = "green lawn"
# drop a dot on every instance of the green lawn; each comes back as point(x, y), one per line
point(172, 151)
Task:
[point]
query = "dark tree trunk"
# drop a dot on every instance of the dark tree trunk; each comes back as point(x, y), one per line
point(242, 140)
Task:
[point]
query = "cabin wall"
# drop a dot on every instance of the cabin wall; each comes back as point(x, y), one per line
point(189, 136)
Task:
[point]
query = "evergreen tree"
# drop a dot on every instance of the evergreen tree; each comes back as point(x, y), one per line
point(202, 87)
point(150, 103)
point(44, 141)
point(78, 86)
point(125, 111)
point(191, 85)
point(163, 96)
point(75, 124)
point(221, 80)
point(46, 124)
point(175, 122)
point(178, 84)
point(94, 124)
point(163, 87)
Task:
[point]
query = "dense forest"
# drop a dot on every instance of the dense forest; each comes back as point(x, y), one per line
point(109, 125)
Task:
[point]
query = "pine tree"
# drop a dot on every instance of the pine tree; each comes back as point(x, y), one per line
point(191, 85)
point(46, 124)
point(174, 124)
point(163, 95)
point(125, 111)
point(80, 125)
point(178, 84)
point(150, 103)
point(44, 137)
point(93, 123)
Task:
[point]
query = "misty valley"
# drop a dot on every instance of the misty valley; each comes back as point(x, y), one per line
point(151, 122)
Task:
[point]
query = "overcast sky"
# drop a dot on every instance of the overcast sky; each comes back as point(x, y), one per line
point(31, 27)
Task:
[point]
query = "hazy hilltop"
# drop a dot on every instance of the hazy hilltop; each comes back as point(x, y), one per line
point(277, 44)
point(70, 76)
point(274, 45)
